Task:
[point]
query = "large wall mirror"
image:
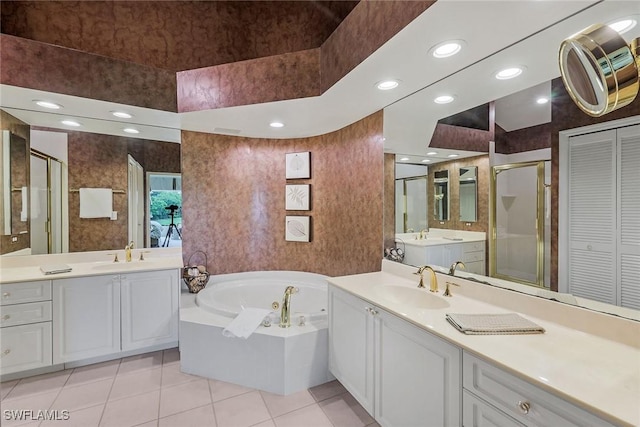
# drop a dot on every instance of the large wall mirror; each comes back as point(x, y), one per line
point(441, 195)
point(15, 184)
point(468, 185)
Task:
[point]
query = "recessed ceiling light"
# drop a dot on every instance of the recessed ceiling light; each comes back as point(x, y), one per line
point(509, 73)
point(452, 156)
point(70, 123)
point(426, 160)
point(48, 104)
point(387, 84)
point(404, 159)
point(444, 99)
point(121, 114)
point(131, 130)
point(276, 124)
point(623, 25)
point(446, 49)
point(431, 153)
point(542, 100)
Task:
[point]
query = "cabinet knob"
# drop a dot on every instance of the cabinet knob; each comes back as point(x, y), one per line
point(6, 294)
point(373, 312)
point(367, 309)
point(6, 317)
point(7, 351)
point(524, 407)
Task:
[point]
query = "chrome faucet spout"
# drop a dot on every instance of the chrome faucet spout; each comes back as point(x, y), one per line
point(452, 269)
point(285, 312)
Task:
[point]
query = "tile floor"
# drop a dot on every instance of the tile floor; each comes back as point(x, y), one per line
point(149, 390)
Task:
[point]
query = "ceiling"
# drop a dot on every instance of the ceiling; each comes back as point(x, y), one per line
point(494, 39)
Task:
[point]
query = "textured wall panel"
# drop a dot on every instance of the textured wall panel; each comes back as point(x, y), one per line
point(234, 196)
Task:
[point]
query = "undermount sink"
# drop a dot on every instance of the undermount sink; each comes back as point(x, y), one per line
point(414, 297)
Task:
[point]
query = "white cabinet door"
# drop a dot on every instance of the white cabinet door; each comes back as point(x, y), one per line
point(25, 347)
point(149, 309)
point(351, 345)
point(452, 253)
point(478, 413)
point(418, 379)
point(86, 317)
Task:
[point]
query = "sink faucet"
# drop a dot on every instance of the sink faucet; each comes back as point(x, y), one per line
point(433, 282)
point(127, 251)
point(285, 312)
point(452, 270)
point(423, 234)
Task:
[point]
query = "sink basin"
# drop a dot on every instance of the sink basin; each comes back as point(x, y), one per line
point(414, 297)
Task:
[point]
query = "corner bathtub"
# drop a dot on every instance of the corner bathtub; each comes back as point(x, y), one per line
point(274, 359)
point(229, 294)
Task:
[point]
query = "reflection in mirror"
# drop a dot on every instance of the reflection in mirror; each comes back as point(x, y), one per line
point(469, 194)
point(411, 195)
point(441, 195)
point(15, 187)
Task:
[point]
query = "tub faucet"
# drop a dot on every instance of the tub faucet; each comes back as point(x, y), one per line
point(452, 270)
point(127, 251)
point(433, 285)
point(285, 312)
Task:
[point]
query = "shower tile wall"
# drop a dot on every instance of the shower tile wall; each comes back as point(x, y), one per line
point(234, 196)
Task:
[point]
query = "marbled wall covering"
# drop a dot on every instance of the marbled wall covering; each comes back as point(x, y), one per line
point(101, 161)
point(20, 128)
point(275, 78)
point(460, 138)
point(454, 223)
point(26, 63)
point(177, 35)
point(566, 115)
point(520, 140)
point(234, 196)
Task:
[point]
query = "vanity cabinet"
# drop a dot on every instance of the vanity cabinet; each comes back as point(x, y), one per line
point(471, 253)
point(495, 397)
point(103, 315)
point(401, 374)
point(474, 257)
point(25, 326)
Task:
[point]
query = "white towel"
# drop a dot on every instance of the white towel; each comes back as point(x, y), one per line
point(96, 202)
point(245, 323)
point(23, 212)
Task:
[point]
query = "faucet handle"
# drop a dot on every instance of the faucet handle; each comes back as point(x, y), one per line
point(115, 257)
point(447, 292)
point(142, 254)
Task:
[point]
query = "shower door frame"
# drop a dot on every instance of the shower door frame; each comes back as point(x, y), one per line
point(540, 229)
point(48, 223)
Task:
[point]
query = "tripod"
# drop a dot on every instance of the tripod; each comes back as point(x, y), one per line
point(172, 227)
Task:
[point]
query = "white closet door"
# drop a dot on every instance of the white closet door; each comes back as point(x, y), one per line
point(592, 216)
point(629, 216)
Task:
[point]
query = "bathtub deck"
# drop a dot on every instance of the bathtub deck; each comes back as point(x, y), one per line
point(273, 359)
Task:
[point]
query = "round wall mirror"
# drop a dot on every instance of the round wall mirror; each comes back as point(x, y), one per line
point(599, 70)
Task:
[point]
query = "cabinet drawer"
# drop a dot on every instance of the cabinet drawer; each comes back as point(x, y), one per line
point(476, 267)
point(521, 400)
point(25, 347)
point(473, 256)
point(478, 413)
point(22, 314)
point(474, 246)
point(15, 293)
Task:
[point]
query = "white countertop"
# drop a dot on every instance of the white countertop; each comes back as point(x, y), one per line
point(437, 236)
point(27, 268)
point(590, 370)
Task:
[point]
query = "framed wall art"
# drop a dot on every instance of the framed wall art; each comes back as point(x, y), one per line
point(297, 197)
point(297, 228)
point(298, 165)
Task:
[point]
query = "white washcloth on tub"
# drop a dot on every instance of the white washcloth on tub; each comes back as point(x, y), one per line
point(245, 323)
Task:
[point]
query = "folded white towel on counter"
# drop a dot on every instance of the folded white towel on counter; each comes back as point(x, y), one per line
point(96, 202)
point(245, 323)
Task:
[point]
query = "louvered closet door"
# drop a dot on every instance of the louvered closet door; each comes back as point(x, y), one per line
point(629, 216)
point(592, 216)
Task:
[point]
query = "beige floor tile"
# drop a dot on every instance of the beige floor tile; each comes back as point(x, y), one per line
point(96, 372)
point(131, 411)
point(171, 375)
point(87, 417)
point(140, 362)
point(198, 417)
point(6, 387)
point(137, 382)
point(170, 356)
point(279, 405)
point(241, 411)
point(153, 423)
point(309, 416)
point(268, 423)
point(39, 384)
point(327, 390)
point(183, 397)
point(34, 402)
point(345, 411)
point(83, 396)
point(221, 390)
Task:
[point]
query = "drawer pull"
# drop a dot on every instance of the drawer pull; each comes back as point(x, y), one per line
point(524, 407)
point(6, 317)
point(6, 294)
